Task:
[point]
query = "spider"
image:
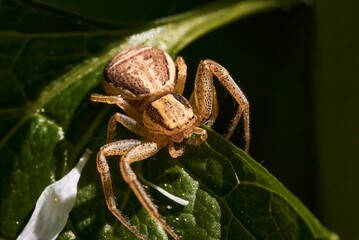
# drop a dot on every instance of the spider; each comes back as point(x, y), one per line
point(144, 83)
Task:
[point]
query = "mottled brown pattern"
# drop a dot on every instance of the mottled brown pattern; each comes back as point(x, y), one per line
point(171, 112)
point(154, 115)
point(139, 70)
point(182, 100)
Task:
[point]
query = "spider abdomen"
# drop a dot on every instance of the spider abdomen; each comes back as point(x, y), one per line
point(139, 72)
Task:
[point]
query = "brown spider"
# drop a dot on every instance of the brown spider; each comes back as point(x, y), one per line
point(142, 81)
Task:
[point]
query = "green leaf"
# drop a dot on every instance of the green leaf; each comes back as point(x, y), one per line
point(51, 60)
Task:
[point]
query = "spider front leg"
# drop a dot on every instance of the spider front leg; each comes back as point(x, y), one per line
point(120, 102)
point(139, 153)
point(112, 149)
point(205, 99)
point(127, 122)
point(181, 75)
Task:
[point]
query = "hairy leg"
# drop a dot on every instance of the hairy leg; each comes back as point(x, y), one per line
point(139, 153)
point(112, 149)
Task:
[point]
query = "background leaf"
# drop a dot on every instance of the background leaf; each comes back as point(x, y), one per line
point(52, 59)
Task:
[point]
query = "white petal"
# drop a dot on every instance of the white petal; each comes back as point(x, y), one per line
point(54, 204)
point(174, 198)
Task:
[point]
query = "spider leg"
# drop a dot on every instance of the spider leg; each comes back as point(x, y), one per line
point(204, 96)
point(176, 152)
point(127, 122)
point(139, 153)
point(234, 123)
point(209, 118)
point(214, 113)
point(120, 102)
point(181, 75)
point(111, 149)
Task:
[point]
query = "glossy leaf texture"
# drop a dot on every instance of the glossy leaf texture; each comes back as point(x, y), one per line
point(50, 61)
